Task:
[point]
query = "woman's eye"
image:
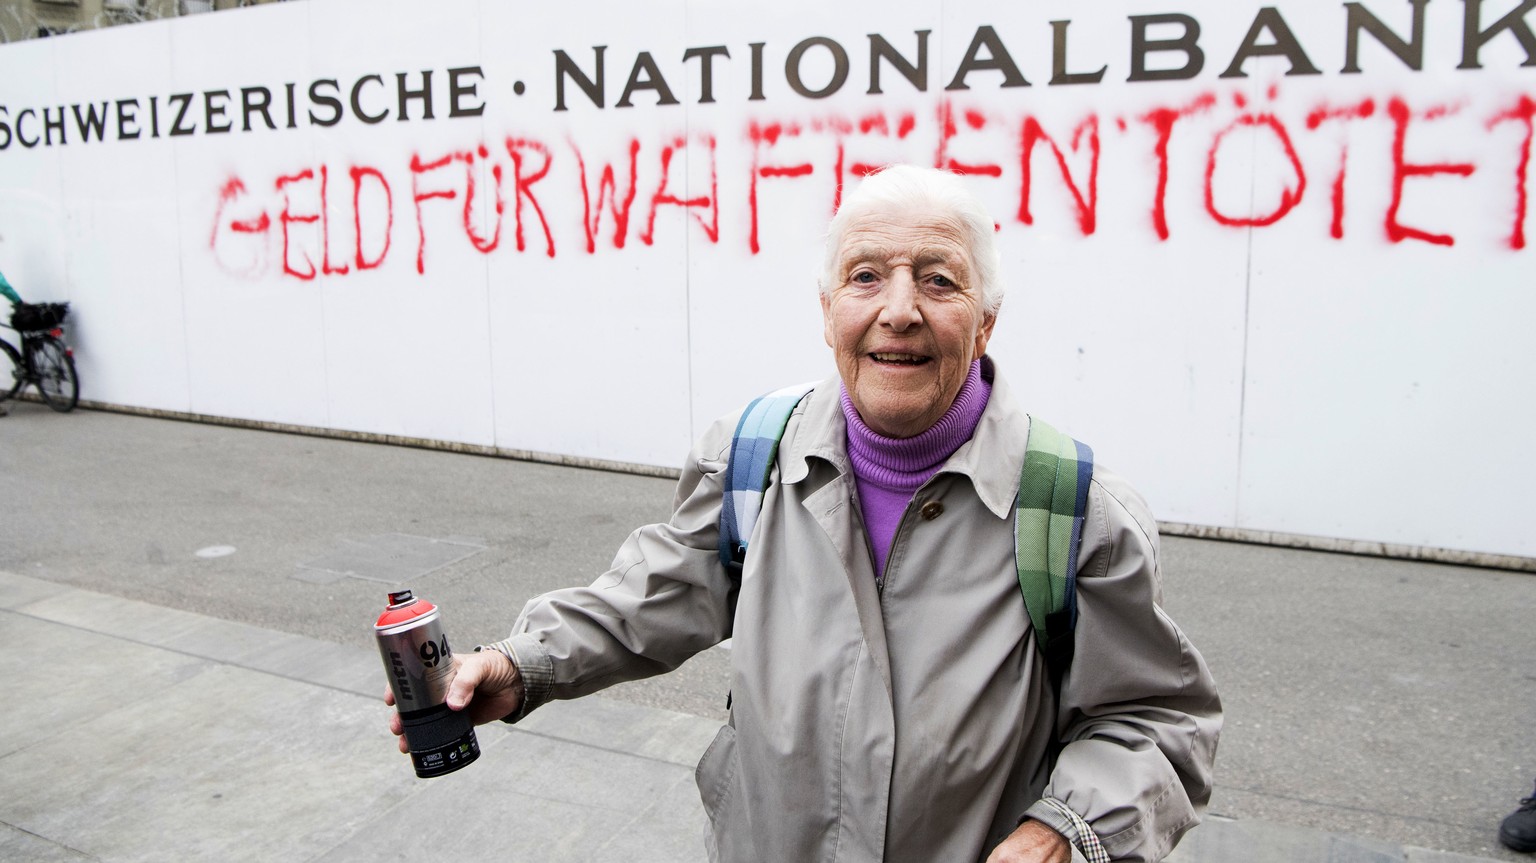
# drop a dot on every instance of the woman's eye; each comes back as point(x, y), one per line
point(939, 281)
point(864, 277)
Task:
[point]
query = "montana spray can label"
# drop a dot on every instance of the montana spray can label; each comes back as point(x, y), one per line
point(419, 664)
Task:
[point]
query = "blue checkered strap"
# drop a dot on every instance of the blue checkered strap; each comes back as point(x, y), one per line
point(754, 448)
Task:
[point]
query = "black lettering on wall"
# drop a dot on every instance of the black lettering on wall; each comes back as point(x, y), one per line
point(327, 101)
point(707, 68)
point(214, 106)
point(1188, 44)
point(407, 95)
point(653, 80)
point(1059, 73)
point(50, 124)
point(178, 126)
point(458, 89)
point(757, 71)
point(1357, 18)
point(255, 100)
point(1474, 37)
point(998, 59)
point(1284, 44)
point(357, 101)
point(916, 73)
point(29, 143)
point(127, 119)
point(91, 122)
point(839, 67)
point(566, 67)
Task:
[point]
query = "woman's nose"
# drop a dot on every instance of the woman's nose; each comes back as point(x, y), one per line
point(900, 311)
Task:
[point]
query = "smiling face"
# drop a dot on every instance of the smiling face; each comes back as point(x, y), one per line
point(904, 317)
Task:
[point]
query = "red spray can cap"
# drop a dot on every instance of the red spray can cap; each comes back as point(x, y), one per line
point(403, 608)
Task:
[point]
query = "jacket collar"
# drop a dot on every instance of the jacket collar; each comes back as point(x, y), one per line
point(991, 459)
point(816, 429)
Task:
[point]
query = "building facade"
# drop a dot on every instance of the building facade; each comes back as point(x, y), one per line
point(32, 19)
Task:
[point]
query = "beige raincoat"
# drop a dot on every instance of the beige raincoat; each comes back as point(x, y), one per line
point(909, 719)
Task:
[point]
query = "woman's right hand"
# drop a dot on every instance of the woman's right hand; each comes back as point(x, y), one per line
point(486, 683)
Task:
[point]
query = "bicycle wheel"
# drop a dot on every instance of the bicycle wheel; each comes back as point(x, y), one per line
point(55, 370)
point(12, 372)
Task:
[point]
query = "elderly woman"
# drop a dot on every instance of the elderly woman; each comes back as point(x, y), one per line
point(888, 700)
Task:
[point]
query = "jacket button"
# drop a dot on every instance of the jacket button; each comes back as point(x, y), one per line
point(932, 510)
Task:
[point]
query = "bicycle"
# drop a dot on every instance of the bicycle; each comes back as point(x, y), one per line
point(44, 359)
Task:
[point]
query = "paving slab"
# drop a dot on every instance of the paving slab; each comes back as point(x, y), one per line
point(61, 675)
point(20, 845)
point(388, 558)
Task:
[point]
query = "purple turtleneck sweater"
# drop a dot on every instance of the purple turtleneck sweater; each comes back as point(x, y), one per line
point(889, 471)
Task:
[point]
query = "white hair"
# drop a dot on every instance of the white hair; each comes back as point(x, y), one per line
point(914, 189)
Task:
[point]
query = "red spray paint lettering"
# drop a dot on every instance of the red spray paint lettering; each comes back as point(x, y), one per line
point(1290, 195)
point(519, 149)
point(1087, 203)
point(1522, 112)
point(1162, 121)
point(1365, 108)
point(711, 225)
point(292, 218)
point(1402, 170)
point(607, 190)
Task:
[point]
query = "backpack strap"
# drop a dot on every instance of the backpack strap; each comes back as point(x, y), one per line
point(754, 448)
point(1049, 511)
point(1048, 528)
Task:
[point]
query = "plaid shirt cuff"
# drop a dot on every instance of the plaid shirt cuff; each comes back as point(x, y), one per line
point(533, 665)
point(1060, 817)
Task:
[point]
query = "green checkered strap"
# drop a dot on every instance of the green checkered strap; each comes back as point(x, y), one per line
point(1048, 528)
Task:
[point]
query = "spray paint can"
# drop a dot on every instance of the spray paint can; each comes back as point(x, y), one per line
point(419, 664)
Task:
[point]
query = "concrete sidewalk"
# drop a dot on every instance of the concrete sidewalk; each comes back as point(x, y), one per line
point(141, 733)
point(192, 674)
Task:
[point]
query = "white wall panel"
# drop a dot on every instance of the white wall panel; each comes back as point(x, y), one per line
point(1280, 286)
point(406, 342)
point(255, 340)
point(589, 306)
point(130, 344)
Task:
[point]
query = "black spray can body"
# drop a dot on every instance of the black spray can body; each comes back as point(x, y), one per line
point(419, 664)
